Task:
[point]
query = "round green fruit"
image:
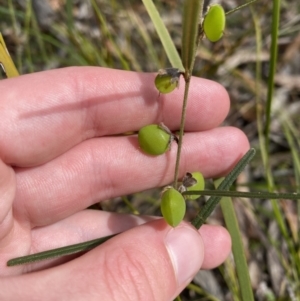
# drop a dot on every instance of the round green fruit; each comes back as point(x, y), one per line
point(198, 186)
point(154, 140)
point(167, 80)
point(172, 206)
point(214, 23)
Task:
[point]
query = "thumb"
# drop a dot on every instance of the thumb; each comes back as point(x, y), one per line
point(151, 262)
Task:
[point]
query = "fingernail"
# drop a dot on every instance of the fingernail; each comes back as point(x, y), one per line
point(185, 248)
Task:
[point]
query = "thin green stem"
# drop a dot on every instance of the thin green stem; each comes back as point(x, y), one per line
point(273, 63)
point(242, 194)
point(239, 7)
point(264, 137)
point(182, 123)
point(192, 14)
point(129, 205)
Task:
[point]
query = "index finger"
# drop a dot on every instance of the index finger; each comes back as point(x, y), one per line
point(44, 114)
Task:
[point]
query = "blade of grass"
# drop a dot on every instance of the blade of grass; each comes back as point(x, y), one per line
point(107, 33)
point(213, 201)
point(40, 41)
point(197, 289)
point(272, 68)
point(289, 131)
point(72, 57)
point(237, 246)
point(70, 18)
point(242, 194)
point(240, 7)
point(273, 63)
point(296, 164)
point(129, 205)
point(144, 33)
point(68, 250)
point(264, 136)
point(28, 46)
point(164, 35)
point(228, 272)
point(192, 13)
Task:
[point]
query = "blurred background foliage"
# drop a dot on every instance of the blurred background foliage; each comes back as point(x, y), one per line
point(48, 34)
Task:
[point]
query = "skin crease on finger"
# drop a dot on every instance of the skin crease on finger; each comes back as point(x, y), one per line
point(86, 102)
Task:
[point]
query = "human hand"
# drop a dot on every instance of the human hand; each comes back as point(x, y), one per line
point(60, 153)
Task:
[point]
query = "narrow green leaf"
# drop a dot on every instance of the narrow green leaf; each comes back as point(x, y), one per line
point(107, 33)
point(70, 18)
point(287, 128)
point(213, 201)
point(164, 35)
point(272, 67)
point(240, 7)
point(72, 249)
point(237, 247)
point(242, 194)
point(190, 27)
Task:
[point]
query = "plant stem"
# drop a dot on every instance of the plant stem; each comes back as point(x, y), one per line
point(192, 14)
point(182, 123)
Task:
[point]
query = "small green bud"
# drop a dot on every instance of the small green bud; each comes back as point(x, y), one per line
point(167, 80)
point(154, 139)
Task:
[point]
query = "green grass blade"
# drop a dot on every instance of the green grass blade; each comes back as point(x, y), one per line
point(68, 250)
point(237, 247)
point(264, 137)
point(144, 33)
point(27, 27)
point(273, 63)
point(240, 7)
point(70, 18)
point(292, 136)
point(192, 11)
point(295, 259)
point(213, 201)
point(164, 35)
point(107, 33)
point(242, 194)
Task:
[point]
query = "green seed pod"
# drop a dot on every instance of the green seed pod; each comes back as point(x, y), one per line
point(154, 140)
point(198, 186)
point(167, 80)
point(214, 22)
point(172, 206)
